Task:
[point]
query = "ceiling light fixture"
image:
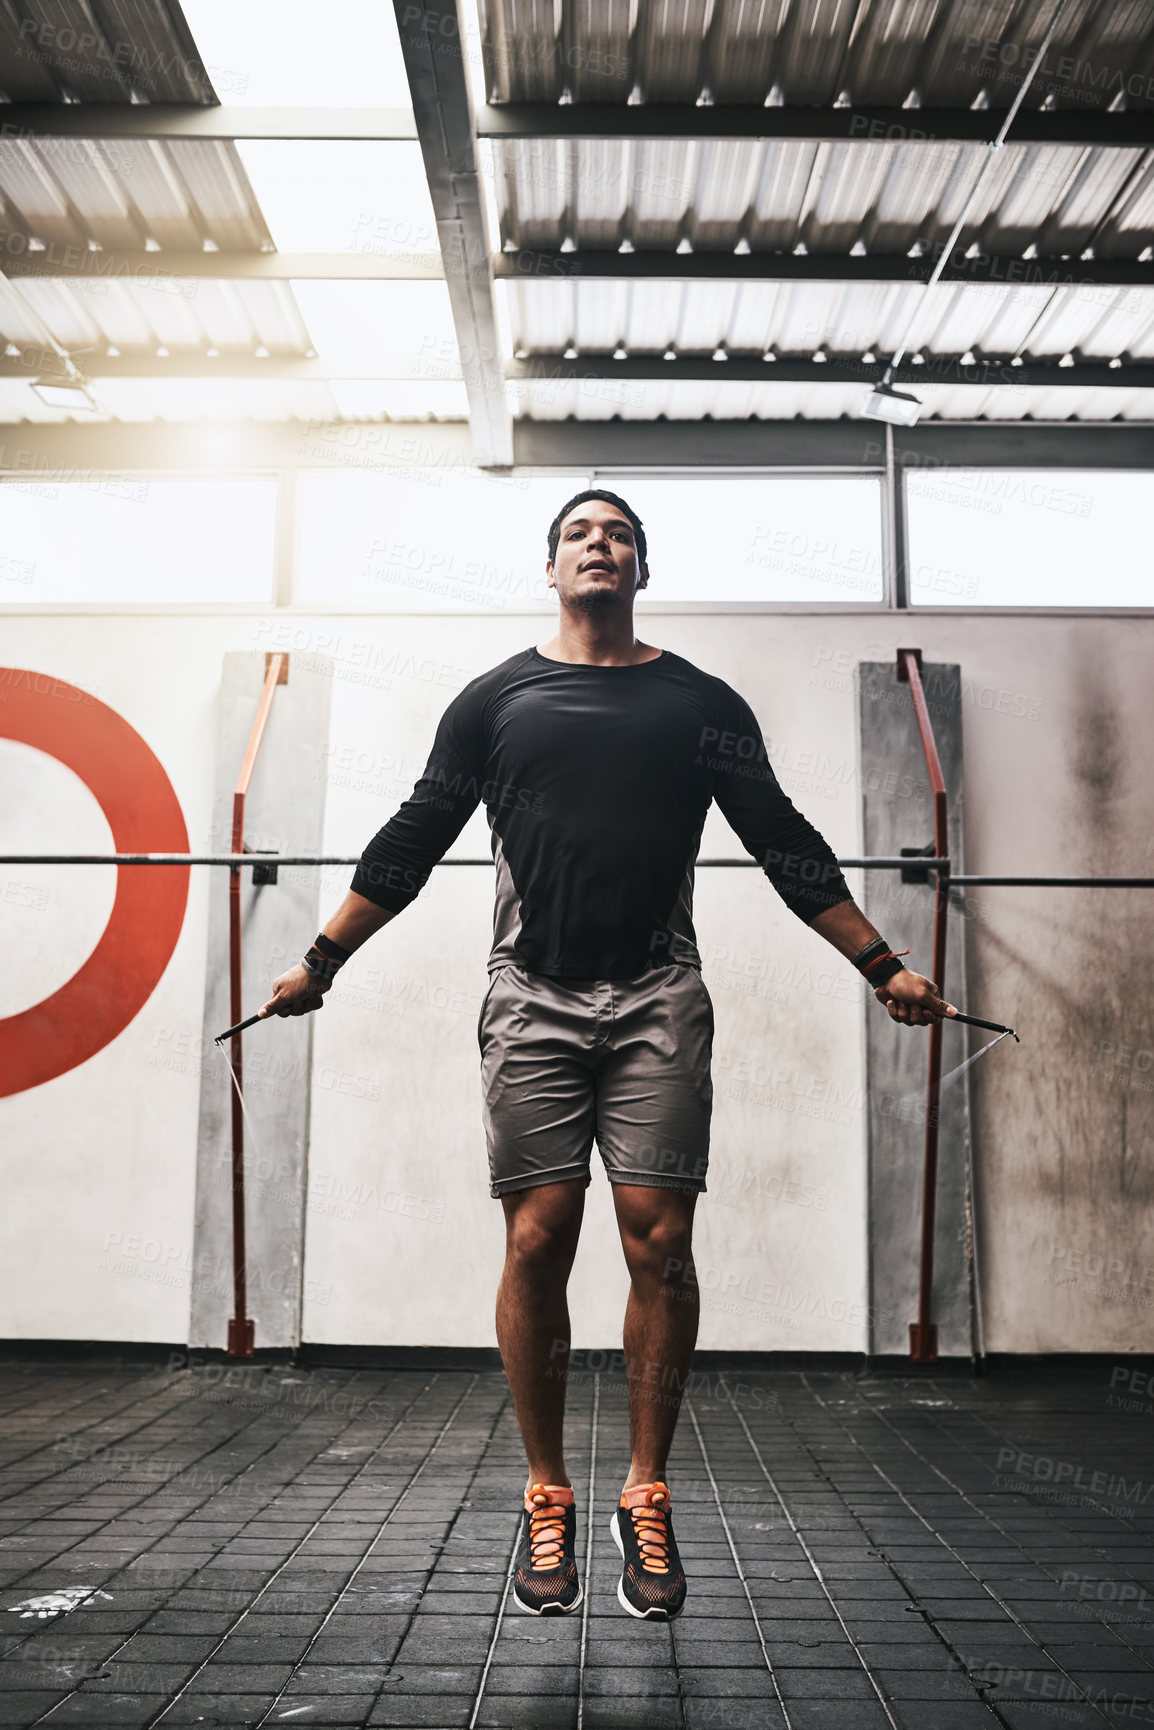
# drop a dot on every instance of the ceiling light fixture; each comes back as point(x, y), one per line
point(74, 397)
point(896, 406)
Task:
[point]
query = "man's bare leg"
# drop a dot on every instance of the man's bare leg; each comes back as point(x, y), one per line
point(541, 1230)
point(661, 1317)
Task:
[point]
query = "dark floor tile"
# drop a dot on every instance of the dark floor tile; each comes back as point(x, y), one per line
point(629, 1714)
point(535, 1680)
point(960, 1715)
point(219, 1676)
point(730, 1714)
point(837, 1715)
point(20, 1709)
point(1043, 1715)
point(427, 1679)
point(800, 1684)
point(510, 1713)
point(635, 1683)
point(225, 1709)
point(122, 1711)
point(416, 1711)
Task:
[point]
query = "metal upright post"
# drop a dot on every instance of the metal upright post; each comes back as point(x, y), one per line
point(923, 1332)
point(240, 1327)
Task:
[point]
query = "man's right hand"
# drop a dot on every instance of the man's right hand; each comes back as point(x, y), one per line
point(296, 992)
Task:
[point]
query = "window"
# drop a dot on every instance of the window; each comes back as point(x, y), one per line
point(758, 538)
point(1028, 538)
point(435, 539)
point(125, 538)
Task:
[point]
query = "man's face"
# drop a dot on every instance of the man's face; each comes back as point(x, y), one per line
point(596, 563)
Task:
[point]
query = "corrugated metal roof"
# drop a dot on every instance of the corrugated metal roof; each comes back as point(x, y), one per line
point(799, 318)
point(139, 316)
point(828, 198)
point(894, 198)
point(103, 51)
point(127, 193)
point(944, 53)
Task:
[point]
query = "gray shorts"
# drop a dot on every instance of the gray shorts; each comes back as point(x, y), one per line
point(622, 1061)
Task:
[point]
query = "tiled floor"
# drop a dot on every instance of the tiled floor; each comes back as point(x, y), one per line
point(332, 1548)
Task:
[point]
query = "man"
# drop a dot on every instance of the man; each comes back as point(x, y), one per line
point(597, 757)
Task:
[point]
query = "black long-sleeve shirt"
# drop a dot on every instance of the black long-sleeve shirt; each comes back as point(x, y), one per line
point(596, 781)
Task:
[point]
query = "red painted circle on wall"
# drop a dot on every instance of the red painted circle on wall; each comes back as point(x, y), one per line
point(130, 785)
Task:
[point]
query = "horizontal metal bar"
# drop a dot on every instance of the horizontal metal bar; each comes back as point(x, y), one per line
point(512, 120)
point(71, 263)
point(529, 264)
point(1053, 882)
point(939, 369)
point(852, 444)
point(898, 126)
point(291, 368)
point(67, 261)
point(881, 863)
point(54, 453)
point(219, 121)
point(45, 453)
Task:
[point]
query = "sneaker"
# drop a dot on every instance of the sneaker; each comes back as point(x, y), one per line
point(545, 1573)
point(652, 1583)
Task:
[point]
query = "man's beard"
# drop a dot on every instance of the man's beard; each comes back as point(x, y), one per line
point(595, 600)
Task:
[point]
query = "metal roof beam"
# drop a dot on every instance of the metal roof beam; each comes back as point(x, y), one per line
point(36, 362)
point(219, 122)
point(511, 120)
point(66, 262)
point(432, 42)
point(528, 264)
point(74, 450)
point(836, 444)
point(837, 369)
point(77, 263)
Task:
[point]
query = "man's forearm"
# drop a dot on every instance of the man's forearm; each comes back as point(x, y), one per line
point(846, 927)
point(907, 995)
point(355, 921)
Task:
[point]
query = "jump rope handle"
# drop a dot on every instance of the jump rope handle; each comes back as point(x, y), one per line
point(974, 1021)
point(239, 1028)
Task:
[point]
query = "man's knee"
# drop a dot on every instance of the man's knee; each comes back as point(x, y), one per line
point(541, 1239)
point(657, 1241)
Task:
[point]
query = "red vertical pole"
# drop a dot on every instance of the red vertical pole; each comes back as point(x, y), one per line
point(240, 1328)
point(923, 1332)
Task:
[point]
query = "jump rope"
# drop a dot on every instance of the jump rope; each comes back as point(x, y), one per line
point(954, 1074)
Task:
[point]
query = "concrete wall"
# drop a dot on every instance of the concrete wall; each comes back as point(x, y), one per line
point(402, 1241)
point(284, 813)
point(896, 798)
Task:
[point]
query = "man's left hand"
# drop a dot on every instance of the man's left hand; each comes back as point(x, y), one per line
point(914, 1000)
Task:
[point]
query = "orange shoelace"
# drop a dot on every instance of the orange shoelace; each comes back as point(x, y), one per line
point(650, 1525)
point(546, 1529)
